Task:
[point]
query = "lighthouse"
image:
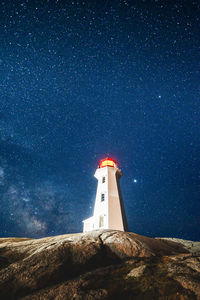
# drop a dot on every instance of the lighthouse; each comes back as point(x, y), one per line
point(109, 212)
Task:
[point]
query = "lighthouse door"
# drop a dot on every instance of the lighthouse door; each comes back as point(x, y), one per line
point(101, 221)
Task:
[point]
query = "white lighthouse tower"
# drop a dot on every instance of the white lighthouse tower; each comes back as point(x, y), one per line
point(109, 212)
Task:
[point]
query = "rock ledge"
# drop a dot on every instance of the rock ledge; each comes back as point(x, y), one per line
point(106, 264)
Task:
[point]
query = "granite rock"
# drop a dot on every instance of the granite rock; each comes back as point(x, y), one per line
point(102, 264)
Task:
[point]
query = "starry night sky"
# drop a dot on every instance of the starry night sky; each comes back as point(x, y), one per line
point(82, 80)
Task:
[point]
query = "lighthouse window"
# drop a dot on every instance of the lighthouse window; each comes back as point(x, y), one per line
point(102, 197)
point(103, 179)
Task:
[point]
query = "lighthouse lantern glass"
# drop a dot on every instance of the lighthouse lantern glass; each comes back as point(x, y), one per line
point(108, 162)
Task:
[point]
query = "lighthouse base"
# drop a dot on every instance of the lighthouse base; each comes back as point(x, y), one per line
point(88, 224)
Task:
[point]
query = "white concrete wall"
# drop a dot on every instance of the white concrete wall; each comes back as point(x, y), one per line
point(101, 208)
point(115, 220)
point(110, 208)
point(88, 224)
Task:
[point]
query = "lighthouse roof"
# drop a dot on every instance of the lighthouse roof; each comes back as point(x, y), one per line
point(108, 162)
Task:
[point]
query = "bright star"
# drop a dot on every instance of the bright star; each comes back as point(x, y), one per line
point(135, 180)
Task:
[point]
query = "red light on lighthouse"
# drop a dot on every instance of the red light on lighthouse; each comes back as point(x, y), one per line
point(108, 162)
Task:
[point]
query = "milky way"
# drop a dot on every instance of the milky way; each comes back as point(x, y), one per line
point(80, 80)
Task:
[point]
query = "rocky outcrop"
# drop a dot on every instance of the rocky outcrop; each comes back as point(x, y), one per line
point(99, 265)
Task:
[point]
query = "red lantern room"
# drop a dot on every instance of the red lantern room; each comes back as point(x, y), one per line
point(108, 162)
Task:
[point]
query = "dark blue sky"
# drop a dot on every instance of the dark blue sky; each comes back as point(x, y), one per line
point(80, 80)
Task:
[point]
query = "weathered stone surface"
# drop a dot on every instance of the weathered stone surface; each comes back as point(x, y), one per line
point(137, 272)
point(99, 265)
